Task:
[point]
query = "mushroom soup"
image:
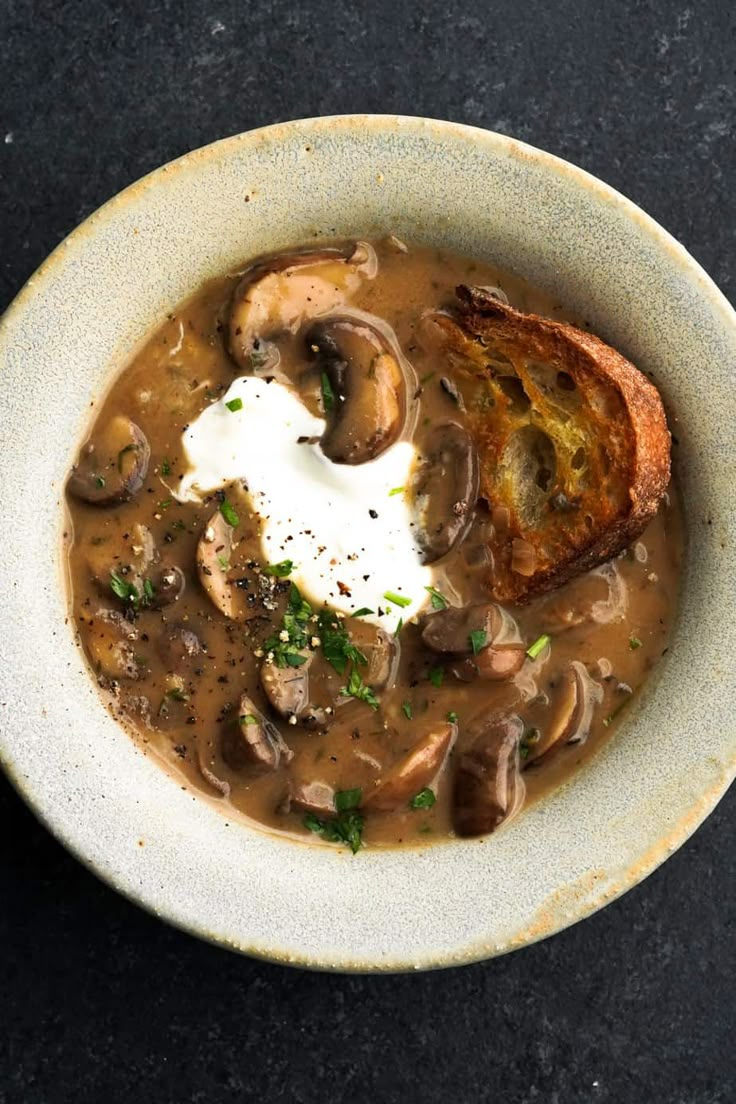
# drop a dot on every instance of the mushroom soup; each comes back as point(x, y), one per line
point(280, 562)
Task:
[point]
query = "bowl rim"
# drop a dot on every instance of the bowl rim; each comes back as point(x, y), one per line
point(600, 192)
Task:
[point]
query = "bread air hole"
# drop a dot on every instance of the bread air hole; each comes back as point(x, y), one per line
point(531, 461)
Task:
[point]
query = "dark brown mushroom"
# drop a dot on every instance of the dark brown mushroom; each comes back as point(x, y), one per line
point(493, 664)
point(379, 649)
point(155, 582)
point(288, 693)
point(445, 489)
point(278, 294)
point(112, 465)
point(451, 630)
point(251, 740)
point(598, 597)
point(214, 552)
point(112, 645)
point(416, 770)
point(368, 401)
point(572, 713)
point(488, 786)
point(168, 582)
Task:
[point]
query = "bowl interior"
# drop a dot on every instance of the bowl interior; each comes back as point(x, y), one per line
point(80, 318)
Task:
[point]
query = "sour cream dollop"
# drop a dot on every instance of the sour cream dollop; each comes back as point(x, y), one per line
point(351, 540)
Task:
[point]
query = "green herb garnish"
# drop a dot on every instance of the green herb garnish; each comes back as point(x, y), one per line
point(356, 688)
point(437, 598)
point(336, 646)
point(634, 643)
point(288, 653)
point(279, 570)
point(395, 491)
point(362, 612)
point(407, 710)
point(539, 645)
point(348, 799)
point(229, 514)
point(478, 640)
point(122, 589)
point(397, 599)
point(165, 467)
point(149, 591)
point(346, 828)
point(234, 404)
point(436, 676)
point(223, 562)
point(165, 503)
point(176, 694)
point(425, 799)
point(452, 717)
point(99, 481)
point(248, 719)
point(399, 626)
point(531, 737)
point(328, 395)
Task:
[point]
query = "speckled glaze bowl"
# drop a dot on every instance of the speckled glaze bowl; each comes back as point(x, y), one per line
point(76, 323)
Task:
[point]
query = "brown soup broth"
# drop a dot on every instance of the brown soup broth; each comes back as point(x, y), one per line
point(174, 675)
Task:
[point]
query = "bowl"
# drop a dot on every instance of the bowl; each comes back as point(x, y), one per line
point(78, 320)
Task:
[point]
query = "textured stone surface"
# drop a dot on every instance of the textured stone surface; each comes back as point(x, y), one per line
point(99, 1001)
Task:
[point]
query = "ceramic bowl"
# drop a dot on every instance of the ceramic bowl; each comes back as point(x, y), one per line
point(76, 323)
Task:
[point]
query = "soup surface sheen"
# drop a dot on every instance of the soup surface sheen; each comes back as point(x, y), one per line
point(258, 548)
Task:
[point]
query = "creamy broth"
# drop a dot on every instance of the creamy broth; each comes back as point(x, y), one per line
point(174, 667)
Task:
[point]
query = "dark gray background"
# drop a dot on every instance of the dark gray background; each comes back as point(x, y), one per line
point(100, 1002)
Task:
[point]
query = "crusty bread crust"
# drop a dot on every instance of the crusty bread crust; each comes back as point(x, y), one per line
point(619, 416)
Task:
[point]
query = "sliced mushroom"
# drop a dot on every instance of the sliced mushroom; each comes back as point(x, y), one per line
point(156, 583)
point(251, 740)
point(168, 582)
point(111, 640)
point(573, 709)
point(368, 388)
point(445, 490)
point(451, 630)
point(417, 770)
point(312, 797)
point(278, 294)
point(288, 693)
point(113, 464)
point(488, 786)
point(178, 645)
point(493, 664)
point(379, 649)
point(214, 552)
point(598, 597)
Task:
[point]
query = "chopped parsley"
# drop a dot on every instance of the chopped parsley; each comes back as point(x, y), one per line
point(279, 570)
point(399, 626)
point(248, 719)
point(425, 799)
point(346, 828)
point(177, 694)
point(356, 688)
point(538, 646)
point(452, 717)
point(122, 589)
point(336, 646)
point(149, 591)
point(397, 599)
point(362, 612)
point(99, 481)
point(436, 676)
point(395, 491)
point(165, 503)
point(634, 643)
point(229, 514)
point(165, 467)
point(328, 395)
point(234, 405)
point(223, 562)
point(288, 653)
point(407, 710)
point(437, 598)
point(348, 799)
point(478, 640)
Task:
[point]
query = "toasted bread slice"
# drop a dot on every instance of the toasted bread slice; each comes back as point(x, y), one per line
point(573, 442)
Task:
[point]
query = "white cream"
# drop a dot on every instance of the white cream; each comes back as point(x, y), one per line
point(312, 511)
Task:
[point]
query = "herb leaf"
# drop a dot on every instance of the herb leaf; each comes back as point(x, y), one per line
point(634, 643)
point(356, 688)
point(397, 599)
point(425, 799)
point(407, 710)
point(437, 598)
point(288, 653)
point(346, 828)
point(122, 589)
point(279, 570)
point(362, 612)
point(248, 719)
point(395, 491)
point(165, 466)
point(176, 694)
point(229, 514)
point(234, 405)
point(328, 395)
point(478, 640)
point(538, 646)
point(348, 799)
point(452, 717)
point(336, 646)
point(436, 676)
